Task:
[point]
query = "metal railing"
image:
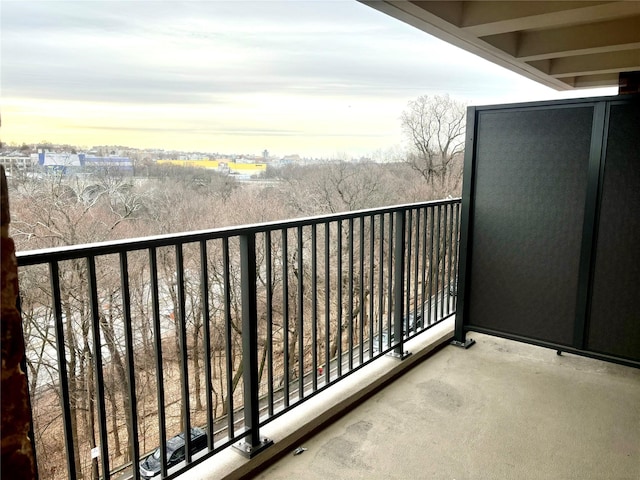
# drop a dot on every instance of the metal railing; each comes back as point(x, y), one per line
point(126, 339)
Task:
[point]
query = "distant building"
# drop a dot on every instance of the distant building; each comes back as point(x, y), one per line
point(73, 163)
point(224, 166)
point(15, 163)
point(112, 163)
point(288, 159)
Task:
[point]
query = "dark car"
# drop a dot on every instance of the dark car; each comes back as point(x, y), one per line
point(150, 466)
point(409, 320)
point(414, 322)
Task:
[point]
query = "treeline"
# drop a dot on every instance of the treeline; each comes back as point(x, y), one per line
point(54, 210)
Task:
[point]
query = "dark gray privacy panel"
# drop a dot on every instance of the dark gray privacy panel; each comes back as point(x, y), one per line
point(530, 168)
point(614, 326)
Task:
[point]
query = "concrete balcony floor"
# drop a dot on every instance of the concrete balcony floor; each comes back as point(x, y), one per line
point(499, 410)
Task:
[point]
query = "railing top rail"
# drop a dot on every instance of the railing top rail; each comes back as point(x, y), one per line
point(34, 257)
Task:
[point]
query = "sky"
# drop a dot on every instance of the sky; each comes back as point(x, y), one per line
point(322, 79)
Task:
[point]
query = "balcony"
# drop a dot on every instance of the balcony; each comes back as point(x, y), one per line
point(502, 409)
point(131, 343)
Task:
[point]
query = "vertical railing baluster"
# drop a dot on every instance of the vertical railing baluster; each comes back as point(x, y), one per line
point(449, 255)
point(131, 375)
point(99, 376)
point(181, 318)
point(255, 444)
point(438, 221)
point(314, 307)
point(361, 295)
point(431, 248)
point(250, 336)
point(439, 261)
point(444, 257)
point(390, 279)
point(408, 219)
point(350, 294)
point(300, 315)
point(157, 341)
point(206, 323)
point(228, 339)
point(285, 314)
point(423, 290)
point(372, 262)
point(399, 280)
point(269, 305)
point(416, 305)
point(327, 302)
point(381, 276)
point(339, 301)
point(456, 253)
point(54, 273)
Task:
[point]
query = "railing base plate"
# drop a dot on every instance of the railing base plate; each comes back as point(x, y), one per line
point(399, 356)
point(248, 451)
point(466, 344)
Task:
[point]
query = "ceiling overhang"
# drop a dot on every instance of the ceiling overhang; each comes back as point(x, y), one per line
point(561, 44)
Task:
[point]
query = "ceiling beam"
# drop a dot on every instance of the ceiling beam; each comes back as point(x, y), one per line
point(487, 12)
point(592, 81)
point(597, 63)
point(482, 19)
point(450, 11)
point(611, 35)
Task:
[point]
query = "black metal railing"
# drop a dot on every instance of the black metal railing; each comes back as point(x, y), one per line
point(130, 343)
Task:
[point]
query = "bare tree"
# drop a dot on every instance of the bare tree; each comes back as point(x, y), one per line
point(435, 129)
point(336, 187)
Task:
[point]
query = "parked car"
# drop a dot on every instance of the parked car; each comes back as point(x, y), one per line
point(413, 322)
point(150, 466)
point(385, 341)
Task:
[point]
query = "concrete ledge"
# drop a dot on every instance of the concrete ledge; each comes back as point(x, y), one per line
point(289, 430)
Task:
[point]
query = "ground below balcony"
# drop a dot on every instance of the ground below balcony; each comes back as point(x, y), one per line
point(499, 410)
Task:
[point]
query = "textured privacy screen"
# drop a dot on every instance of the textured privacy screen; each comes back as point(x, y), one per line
point(615, 309)
point(531, 168)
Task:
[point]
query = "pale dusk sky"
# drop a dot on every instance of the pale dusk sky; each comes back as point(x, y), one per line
point(319, 78)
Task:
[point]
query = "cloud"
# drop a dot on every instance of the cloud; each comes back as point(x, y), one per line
point(195, 52)
point(234, 69)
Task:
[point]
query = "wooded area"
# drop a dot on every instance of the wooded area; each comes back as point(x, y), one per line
point(54, 210)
